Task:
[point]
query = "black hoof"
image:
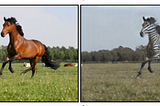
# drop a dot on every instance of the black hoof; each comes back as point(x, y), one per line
point(11, 70)
point(150, 70)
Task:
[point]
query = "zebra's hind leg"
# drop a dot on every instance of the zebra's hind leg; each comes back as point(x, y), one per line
point(149, 66)
point(140, 70)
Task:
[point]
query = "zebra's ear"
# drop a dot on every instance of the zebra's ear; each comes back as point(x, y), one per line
point(144, 18)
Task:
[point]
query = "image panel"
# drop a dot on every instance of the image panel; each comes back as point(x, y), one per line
point(39, 53)
point(120, 51)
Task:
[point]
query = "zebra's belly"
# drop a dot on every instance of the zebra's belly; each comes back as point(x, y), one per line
point(153, 51)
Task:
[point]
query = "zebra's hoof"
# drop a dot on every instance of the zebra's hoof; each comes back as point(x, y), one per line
point(151, 71)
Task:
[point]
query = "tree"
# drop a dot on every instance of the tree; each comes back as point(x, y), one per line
point(95, 56)
point(56, 53)
point(114, 55)
point(105, 55)
point(86, 57)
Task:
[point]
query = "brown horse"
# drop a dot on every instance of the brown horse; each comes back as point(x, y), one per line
point(21, 48)
point(68, 64)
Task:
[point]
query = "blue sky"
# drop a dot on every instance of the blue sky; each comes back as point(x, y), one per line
point(52, 25)
point(108, 27)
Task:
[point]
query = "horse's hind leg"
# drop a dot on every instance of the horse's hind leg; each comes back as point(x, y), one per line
point(26, 71)
point(31, 68)
point(33, 71)
point(33, 64)
point(140, 70)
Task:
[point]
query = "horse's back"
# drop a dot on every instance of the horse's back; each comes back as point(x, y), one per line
point(31, 48)
point(39, 46)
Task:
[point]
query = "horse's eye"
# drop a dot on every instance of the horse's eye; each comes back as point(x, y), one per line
point(8, 25)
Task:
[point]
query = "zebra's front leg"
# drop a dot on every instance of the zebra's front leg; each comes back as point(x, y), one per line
point(140, 70)
point(149, 66)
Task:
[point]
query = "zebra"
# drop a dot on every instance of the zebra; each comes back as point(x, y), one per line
point(150, 27)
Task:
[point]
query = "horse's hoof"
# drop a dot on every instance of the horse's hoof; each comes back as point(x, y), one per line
point(22, 74)
point(12, 71)
point(0, 73)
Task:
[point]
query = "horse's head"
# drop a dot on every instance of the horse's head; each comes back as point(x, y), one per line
point(147, 25)
point(7, 26)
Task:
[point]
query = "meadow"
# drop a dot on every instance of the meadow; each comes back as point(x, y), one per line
point(47, 85)
point(116, 82)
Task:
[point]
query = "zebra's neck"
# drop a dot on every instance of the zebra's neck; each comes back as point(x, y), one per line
point(154, 37)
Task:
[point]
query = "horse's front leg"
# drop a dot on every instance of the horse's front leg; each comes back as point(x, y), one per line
point(4, 64)
point(10, 67)
point(10, 61)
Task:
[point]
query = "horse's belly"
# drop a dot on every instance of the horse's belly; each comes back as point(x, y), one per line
point(30, 54)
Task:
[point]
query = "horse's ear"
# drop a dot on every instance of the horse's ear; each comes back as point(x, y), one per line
point(5, 19)
point(144, 19)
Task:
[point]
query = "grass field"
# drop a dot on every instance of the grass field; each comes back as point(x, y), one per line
point(116, 82)
point(47, 85)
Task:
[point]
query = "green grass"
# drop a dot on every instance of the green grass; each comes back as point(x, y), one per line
point(47, 85)
point(116, 82)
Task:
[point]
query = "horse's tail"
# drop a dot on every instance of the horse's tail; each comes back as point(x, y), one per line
point(46, 58)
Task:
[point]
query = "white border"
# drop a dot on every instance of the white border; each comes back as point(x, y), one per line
point(80, 2)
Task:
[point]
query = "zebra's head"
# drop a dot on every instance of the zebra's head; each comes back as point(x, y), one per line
point(147, 26)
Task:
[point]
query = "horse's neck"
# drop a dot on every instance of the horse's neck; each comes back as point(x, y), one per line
point(14, 36)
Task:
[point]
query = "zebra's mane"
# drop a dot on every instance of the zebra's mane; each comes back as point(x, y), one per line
point(151, 20)
point(158, 29)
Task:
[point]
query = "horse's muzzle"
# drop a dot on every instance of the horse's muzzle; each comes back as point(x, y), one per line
point(2, 34)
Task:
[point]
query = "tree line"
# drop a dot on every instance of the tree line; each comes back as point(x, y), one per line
point(120, 54)
point(64, 54)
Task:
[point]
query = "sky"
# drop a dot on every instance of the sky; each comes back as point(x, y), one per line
point(51, 25)
point(108, 27)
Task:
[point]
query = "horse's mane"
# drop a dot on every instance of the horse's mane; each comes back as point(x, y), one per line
point(19, 27)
